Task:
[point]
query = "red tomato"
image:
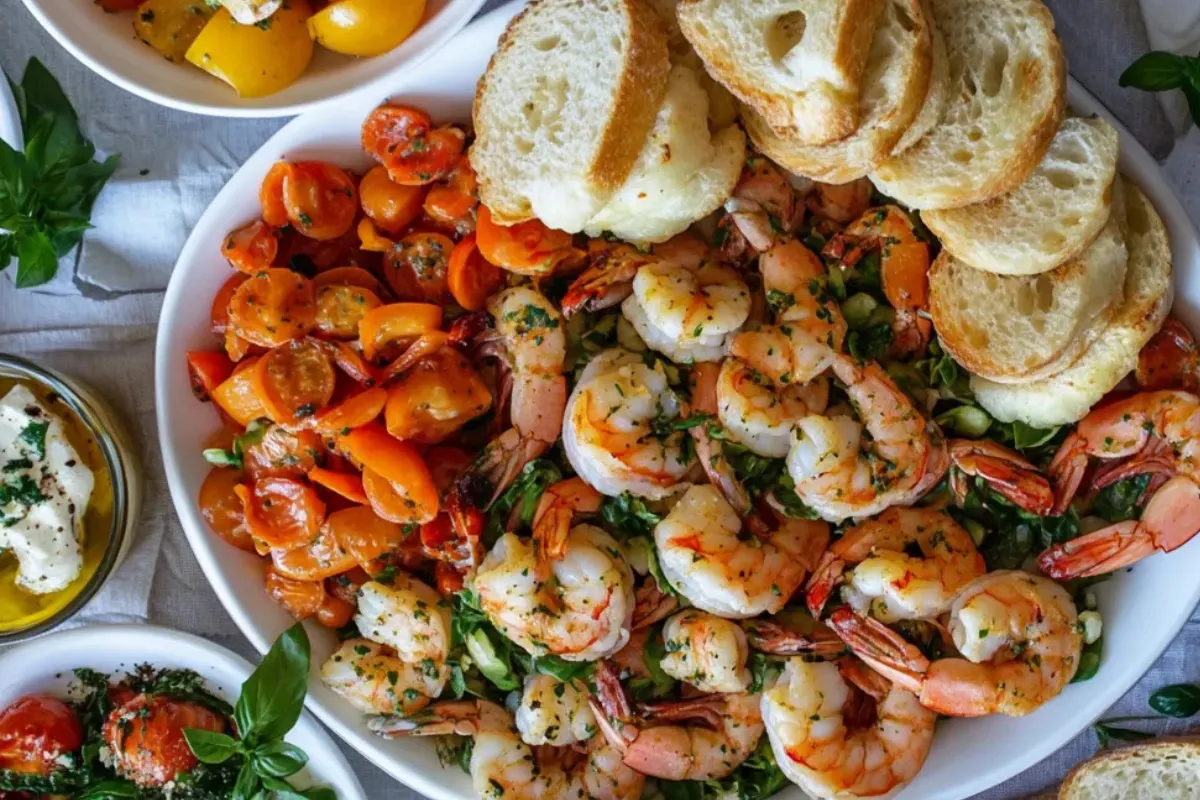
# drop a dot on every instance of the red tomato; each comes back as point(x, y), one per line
point(404, 141)
point(35, 732)
point(146, 737)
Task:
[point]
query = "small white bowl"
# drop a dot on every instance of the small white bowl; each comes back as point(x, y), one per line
point(46, 664)
point(106, 44)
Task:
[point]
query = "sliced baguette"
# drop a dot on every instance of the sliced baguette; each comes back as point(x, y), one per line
point(1020, 328)
point(798, 63)
point(565, 106)
point(896, 82)
point(683, 174)
point(1049, 218)
point(722, 108)
point(1068, 396)
point(1007, 95)
point(938, 95)
point(1164, 769)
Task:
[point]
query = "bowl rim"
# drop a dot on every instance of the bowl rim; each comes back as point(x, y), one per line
point(121, 467)
point(467, 11)
point(1135, 161)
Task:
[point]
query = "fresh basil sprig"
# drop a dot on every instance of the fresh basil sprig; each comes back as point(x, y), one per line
point(269, 706)
point(1158, 71)
point(1180, 700)
point(47, 192)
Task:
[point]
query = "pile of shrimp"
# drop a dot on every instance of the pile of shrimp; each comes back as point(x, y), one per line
point(621, 515)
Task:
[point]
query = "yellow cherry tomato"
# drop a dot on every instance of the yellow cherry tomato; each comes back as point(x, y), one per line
point(170, 26)
point(260, 59)
point(366, 27)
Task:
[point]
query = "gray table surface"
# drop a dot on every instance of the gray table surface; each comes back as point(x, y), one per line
point(97, 319)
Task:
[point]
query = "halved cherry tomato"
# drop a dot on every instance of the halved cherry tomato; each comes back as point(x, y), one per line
point(353, 412)
point(416, 267)
point(471, 278)
point(349, 276)
point(282, 453)
point(346, 585)
point(301, 599)
point(207, 370)
point(403, 140)
point(396, 323)
point(341, 308)
point(281, 512)
point(905, 275)
point(435, 398)
point(238, 395)
point(251, 248)
point(527, 248)
point(294, 381)
point(391, 206)
point(364, 535)
point(273, 307)
point(222, 508)
point(237, 348)
point(452, 200)
point(220, 306)
point(370, 239)
point(350, 361)
point(320, 198)
point(447, 579)
point(335, 612)
point(35, 732)
point(322, 558)
point(1169, 360)
point(345, 484)
point(399, 465)
point(270, 195)
point(145, 736)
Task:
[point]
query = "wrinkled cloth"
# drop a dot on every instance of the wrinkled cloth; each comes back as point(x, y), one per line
point(97, 320)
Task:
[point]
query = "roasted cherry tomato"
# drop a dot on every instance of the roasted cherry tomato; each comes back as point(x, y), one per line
point(343, 484)
point(353, 412)
point(409, 494)
point(170, 26)
point(470, 278)
point(207, 370)
point(35, 732)
point(238, 397)
point(322, 558)
point(349, 276)
point(281, 512)
point(304, 599)
point(282, 453)
point(403, 140)
point(222, 508)
point(527, 248)
point(1169, 360)
point(251, 248)
point(435, 398)
point(364, 535)
point(220, 305)
point(416, 268)
point(146, 737)
point(365, 27)
point(341, 308)
point(391, 206)
point(256, 60)
point(452, 200)
point(396, 324)
point(273, 307)
point(321, 199)
point(294, 381)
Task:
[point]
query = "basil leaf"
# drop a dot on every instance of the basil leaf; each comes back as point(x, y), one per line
point(285, 791)
point(563, 670)
point(1179, 701)
point(273, 696)
point(1156, 71)
point(1089, 661)
point(248, 783)
point(36, 260)
point(209, 746)
point(1106, 733)
point(279, 759)
point(108, 790)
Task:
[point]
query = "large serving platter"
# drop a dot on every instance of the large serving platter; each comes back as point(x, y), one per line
point(1143, 608)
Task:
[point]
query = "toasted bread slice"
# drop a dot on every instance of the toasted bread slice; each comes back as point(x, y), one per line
point(722, 108)
point(1008, 86)
point(939, 88)
point(683, 174)
point(1068, 396)
point(565, 106)
point(798, 63)
point(1164, 769)
point(1049, 218)
point(1014, 329)
point(895, 84)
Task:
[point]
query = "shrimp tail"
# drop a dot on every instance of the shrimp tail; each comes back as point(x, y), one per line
point(881, 648)
point(826, 576)
point(778, 640)
point(1067, 470)
point(652, 605)
point(1006, 472)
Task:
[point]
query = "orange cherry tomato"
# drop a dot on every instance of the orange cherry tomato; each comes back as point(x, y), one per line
point(1169, 360)
point(452, 199)
point(391, 206)
point(341, 308)
point(222, 508)
point(364, 535)
point(270, 195)
point(238, 395)
point(273, 307)
point(413, 496)
point(470, 277)
point(294, 381)
point(220, 306)
point(281, 512)
point(320, 198)
point(527, 248)
point(349, 276)
point(370, 239)
point(416, 267)
point(346, 585)
point(237, 348)
point(396, 324)
point(301, 599)
point(404, 141)
point(335, 612)
point(145, 736)
point(207, 370)
point(322, 558)
point(435, 398)
point(282, 453)
point(35, 732)
point(311, 257)
point(344, 484)
point(251, 248)
point(353, 412)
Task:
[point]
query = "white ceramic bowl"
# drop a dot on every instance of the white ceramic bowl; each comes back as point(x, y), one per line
point(10, 120)
point(106, 44)
point(1143, 609)
point(45, 665)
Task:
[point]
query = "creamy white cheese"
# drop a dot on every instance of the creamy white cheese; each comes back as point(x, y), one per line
point(44, 491)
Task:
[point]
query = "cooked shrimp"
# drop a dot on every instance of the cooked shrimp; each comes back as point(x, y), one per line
point(762, 210)
point(1005, 471)
point(809, 328)
point(760, 416)
point(503, 766)
point(613, 430)
point(829, 740)
point(710, 452)
point(888, 583)
point(1017, 633)
point(704, 555)
point(654, 744)
point(607, 281)
point(556, 510)
point(400, 664)
point(554, 712)
point(687, 314)
point(706, 651)
point(840, 473)
point(840, 202)
point(812, 639)
point(1158, 433)
point(581, 613)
